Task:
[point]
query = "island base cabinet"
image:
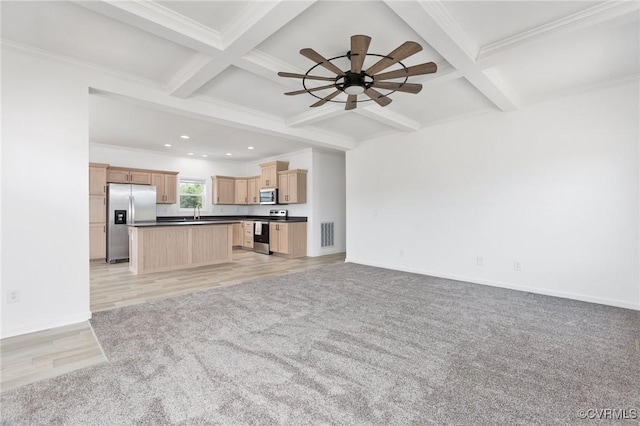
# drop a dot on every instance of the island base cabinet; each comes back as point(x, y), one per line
point(288, 239)
point(156, 249)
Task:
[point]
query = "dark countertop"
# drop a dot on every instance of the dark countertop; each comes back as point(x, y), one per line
point(190, 222)
point(233, 219)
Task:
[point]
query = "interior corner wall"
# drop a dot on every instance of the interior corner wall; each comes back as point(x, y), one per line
point(329, 199)
point(45, 233)
point(553, 187)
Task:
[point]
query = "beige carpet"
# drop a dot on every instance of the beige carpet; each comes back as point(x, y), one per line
point(348, 345)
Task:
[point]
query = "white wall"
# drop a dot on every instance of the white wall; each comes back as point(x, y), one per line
point(554, 186)
point(194, 168)
point(45, 236)
point(329, 199)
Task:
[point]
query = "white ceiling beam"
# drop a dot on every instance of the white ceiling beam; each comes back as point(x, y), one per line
point(245, 34)
point(156, 19)
point(314, 115)
point(432, 21)
point(494, 53)
point(267, 66)
point(388, 117)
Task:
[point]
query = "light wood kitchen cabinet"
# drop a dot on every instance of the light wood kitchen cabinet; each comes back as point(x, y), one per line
point(240, 191)
point(127, 175)
point(292, 187)
point(223, 189)
point(97, 210)
point(238, 234)
point(166, 187)
point(98, 178)
point(97, 241)
point(288, 239)
point(247, 240)
point(269, 176)
point(253, 190)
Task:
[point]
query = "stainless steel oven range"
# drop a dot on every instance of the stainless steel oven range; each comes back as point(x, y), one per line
point(261, 231)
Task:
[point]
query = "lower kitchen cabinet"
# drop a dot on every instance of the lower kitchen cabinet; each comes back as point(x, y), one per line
point(97, 241)
point(288, 239)
point(238, 234)
point(247, 236)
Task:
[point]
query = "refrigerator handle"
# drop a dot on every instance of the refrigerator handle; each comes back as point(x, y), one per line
point(132, 209)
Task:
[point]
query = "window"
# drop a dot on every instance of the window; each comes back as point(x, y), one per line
point(192, 193)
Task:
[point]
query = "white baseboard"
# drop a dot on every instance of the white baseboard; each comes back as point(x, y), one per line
point(58, 322)
point(324, 253)
point(562, 294)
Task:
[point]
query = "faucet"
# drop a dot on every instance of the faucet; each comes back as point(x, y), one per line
point(196, 216)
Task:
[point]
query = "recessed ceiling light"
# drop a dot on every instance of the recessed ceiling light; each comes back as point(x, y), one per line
point(167, 145)
point(228, 153)
point(184, 137)
point(189, 153)
point(250, 147)
point(204, 155)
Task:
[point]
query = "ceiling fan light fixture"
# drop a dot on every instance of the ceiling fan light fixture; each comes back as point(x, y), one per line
point(354, 90)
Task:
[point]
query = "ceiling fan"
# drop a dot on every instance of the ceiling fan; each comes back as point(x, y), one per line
point(356, 80)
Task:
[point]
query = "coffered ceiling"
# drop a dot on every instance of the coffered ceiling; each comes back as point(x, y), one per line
point(209, 68)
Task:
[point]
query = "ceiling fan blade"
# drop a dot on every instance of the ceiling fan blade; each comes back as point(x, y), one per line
point(426, 68)
point(326, 99)
point(318, 58)
point(405, 50)
point(315, 89)
point(400, 87)
point(359, 47)
point(352, 102)
point(377, 97)
point(308, 77)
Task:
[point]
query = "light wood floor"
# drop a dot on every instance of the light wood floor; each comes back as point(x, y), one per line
point(49, 353)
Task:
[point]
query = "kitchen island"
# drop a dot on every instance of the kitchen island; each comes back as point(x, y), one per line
point(167, 246)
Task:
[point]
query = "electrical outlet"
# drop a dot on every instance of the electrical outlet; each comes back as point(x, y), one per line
point(13, 296)
point(516, 266)
point(479, 261)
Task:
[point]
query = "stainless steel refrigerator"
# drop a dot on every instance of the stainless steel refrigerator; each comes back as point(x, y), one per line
point(126, 204)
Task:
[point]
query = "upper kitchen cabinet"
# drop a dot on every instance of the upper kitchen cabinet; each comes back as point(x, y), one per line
point(127, 175)
point(166, 184)
point(269, 177)
point(292, 187)
point(97, 178)
point(240, 191)
point(223, 189)
point(253, 189)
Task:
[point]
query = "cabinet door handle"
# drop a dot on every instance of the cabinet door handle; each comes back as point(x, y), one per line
point(104, 228)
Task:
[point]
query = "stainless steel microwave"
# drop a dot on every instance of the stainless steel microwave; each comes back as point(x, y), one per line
point(269, 196)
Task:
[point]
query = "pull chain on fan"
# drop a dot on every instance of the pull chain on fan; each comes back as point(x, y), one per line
point(355, 81)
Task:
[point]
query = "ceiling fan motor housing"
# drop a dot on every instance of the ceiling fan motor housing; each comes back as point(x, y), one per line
point(354, 83)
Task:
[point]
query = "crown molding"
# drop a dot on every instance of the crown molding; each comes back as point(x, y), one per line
point(41, 53)
point(154, 18)
point(601, 12)
point(577, 90)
